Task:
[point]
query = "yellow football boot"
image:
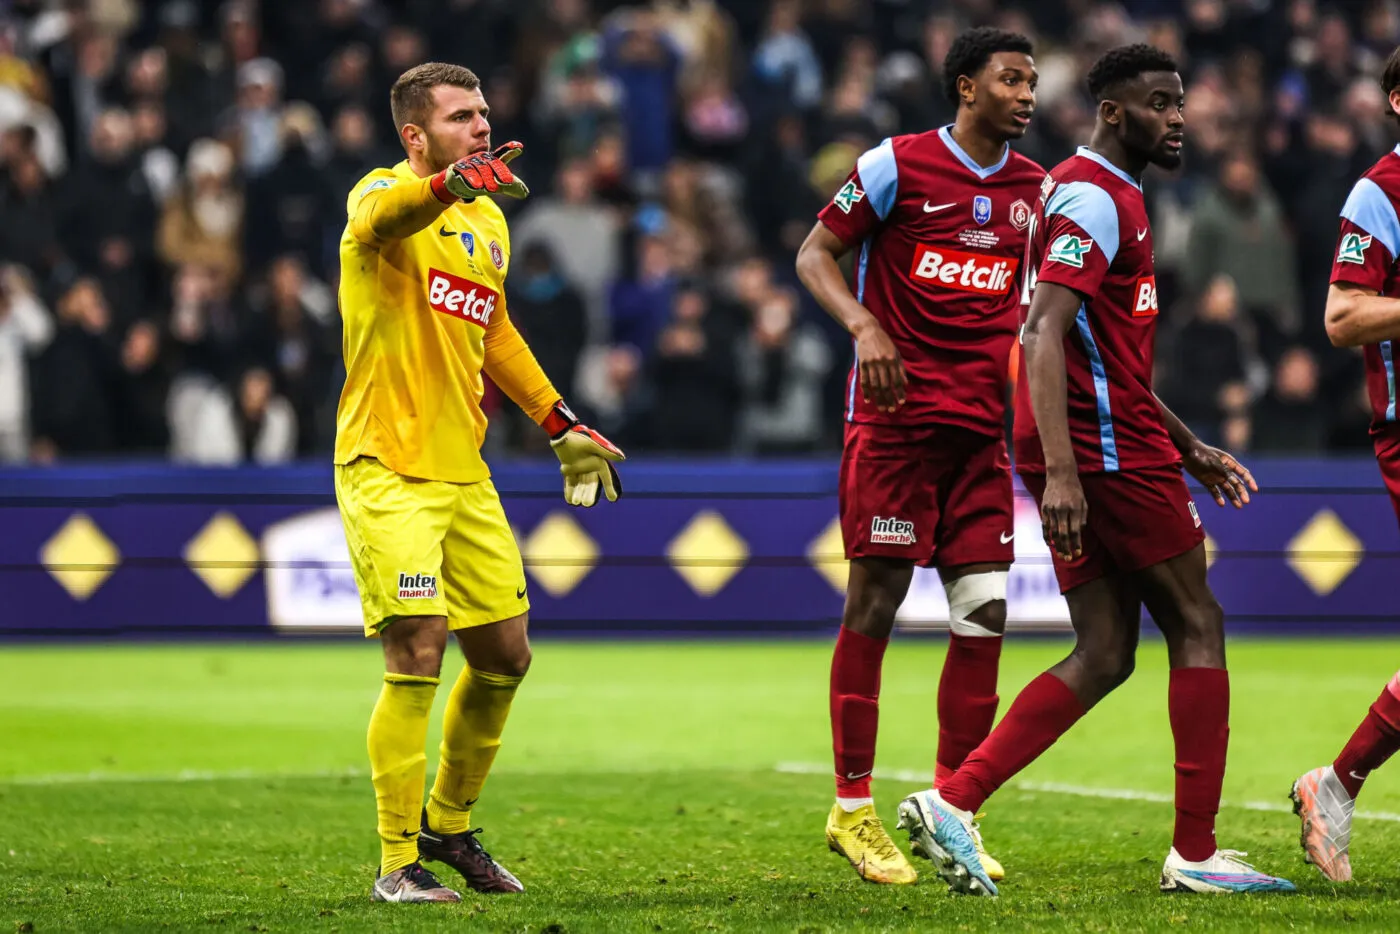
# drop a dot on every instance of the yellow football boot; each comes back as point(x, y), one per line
point(860, 837)
point(990, 866)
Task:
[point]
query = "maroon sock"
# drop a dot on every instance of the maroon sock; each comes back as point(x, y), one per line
point(1039, 715)
point(855, 709)
point(967, 699)
point(1198, 703)
point(1375, 740)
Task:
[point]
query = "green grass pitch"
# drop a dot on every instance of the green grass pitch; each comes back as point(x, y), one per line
point(223, 788)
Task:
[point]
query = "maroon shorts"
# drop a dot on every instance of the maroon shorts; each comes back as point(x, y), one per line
point(935, 494)
point(1388, 456)
point(1137, 518)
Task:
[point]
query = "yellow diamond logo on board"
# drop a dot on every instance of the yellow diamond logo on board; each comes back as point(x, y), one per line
point(559, 554)
point(827, 554)
point(707, 553)
point(1324, 552)
point(223, 555)
point(80, 556)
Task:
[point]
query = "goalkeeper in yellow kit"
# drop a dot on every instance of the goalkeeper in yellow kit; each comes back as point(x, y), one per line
point(422, 269)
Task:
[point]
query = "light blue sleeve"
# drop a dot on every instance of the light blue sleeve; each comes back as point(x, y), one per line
point(880, 176)
point(1092, 209)
point(1370, 209)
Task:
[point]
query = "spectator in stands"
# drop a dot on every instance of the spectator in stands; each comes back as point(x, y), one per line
point(692, 379)
point(107, 214)
point(1291, 417)
point(645, 62)
point(640, 303)
point(582, 233)
point(1238, 231)
point(296, 337)
point(252, 425)
point(207, 324)
point(549, 312)
point(75, 378)
point(28, 205)
point(25, 330)
point(288, 207)
point(784, 61)
point(1206, 382)
point(202, 224)
point(159, 166)
point(139, 399)
point(354, 151)
point(254, 126)
point(782, 365)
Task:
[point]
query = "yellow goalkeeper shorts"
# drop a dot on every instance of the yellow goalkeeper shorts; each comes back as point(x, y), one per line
point(428, 548)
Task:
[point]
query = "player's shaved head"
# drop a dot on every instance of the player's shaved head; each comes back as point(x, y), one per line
point(411, 98)
point(1121, 66)
point(972, 50)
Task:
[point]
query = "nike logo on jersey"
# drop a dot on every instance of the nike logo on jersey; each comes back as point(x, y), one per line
point(444, 232)
point(1142, 234)
point(1006, 538)
point(519, 595)
point(935, 208)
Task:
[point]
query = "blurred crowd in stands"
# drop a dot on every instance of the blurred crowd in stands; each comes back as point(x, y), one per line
point(173, 181)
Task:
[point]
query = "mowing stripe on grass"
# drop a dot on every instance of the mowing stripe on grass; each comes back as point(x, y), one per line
point(1079, 791)
point(164, 778)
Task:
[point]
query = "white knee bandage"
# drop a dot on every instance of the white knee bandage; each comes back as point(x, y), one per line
point(967, 594)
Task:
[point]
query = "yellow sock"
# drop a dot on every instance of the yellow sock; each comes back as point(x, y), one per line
point(398, 730)
point(471, 734)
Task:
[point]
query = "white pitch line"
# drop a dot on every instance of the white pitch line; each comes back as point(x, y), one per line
point(1079, 791)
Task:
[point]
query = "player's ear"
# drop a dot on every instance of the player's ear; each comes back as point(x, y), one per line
point(1110, 112)
point(1395, 102)
point(412, 137)
point(967, 90)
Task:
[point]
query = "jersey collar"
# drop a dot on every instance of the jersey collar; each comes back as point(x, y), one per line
point(1092, 156)
point(1396, 150)
point(966, 160)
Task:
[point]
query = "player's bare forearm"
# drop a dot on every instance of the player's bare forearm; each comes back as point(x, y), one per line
point(512, 366)
point(1051, 314)
point(396, 212)
point(1356, 316)
point(1183, 438)
point(817, 268)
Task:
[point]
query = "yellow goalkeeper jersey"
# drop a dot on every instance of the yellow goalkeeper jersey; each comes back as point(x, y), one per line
point(424, 314)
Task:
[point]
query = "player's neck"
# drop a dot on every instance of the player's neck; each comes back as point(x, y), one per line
point(418, 167)
point(980, 148)
point(1108, 146)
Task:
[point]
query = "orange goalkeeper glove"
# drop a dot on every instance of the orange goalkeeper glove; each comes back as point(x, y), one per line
point(586, 458)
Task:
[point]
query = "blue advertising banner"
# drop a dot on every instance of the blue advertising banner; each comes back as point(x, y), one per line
point(695, 548)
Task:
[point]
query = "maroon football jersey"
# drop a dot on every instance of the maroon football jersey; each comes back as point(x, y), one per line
point(941, 240)
point(1367, 250)
point(1090, 233)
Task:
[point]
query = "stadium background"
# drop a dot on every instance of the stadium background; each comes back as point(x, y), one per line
point(172, 181)
point(172, 185)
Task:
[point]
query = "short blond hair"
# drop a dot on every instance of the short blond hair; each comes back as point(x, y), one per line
point(411, 98)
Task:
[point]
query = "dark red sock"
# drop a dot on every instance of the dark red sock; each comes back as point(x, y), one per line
point(1198, 703)
point(855, 709)
point(1375, 740)
point(967, 700)
point(1039, 715)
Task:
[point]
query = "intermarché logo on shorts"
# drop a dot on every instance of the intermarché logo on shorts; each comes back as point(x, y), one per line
point(891, 531)
point(417, 586)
